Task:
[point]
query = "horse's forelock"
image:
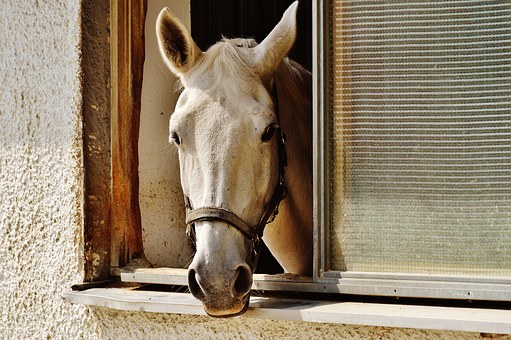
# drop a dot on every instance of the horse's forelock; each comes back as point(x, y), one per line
point(225, 60)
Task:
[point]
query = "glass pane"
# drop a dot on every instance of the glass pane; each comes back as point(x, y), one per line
point(421, 137)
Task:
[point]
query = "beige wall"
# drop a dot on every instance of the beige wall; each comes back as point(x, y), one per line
point(41, 196)
point(161, 199)
point(40, 169)
point(126, 325)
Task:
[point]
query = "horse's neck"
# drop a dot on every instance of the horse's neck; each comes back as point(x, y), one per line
point(296, 120)
point(289, 237)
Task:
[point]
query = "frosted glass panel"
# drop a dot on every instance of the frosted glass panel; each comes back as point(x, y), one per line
point(421, 137)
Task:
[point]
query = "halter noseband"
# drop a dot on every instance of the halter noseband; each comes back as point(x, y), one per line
point(252, 233)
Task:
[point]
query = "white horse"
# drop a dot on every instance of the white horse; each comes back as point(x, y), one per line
point(227, 127)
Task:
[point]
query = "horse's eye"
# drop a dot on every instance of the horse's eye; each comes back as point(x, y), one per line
point(268, 134)
point(175, 138)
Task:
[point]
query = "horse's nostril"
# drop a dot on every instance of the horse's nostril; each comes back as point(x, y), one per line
point(243, 281)
point(194, 286)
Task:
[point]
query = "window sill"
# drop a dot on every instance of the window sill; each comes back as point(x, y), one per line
point(356, 313)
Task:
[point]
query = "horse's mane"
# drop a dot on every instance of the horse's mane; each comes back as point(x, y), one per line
point(297, 82)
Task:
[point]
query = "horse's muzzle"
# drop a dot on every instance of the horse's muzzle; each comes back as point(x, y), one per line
point(228, 299)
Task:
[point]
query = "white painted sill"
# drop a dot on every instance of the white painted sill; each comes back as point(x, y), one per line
point(354, 313)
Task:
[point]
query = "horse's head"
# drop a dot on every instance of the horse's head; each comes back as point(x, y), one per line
point(226, 130)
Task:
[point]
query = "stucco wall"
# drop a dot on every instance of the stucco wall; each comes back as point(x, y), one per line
point(162, 326)
point(41, 196)
point(40, 169)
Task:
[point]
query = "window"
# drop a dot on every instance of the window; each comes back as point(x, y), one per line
point(413, 151)
point(417, 169)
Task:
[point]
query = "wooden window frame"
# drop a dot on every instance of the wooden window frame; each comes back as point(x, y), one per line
point(127, 61)
point(112, 228)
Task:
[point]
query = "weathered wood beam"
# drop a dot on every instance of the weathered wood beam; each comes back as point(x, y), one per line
point(127, 61)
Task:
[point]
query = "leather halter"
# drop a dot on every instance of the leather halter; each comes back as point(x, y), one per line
point(252, 233)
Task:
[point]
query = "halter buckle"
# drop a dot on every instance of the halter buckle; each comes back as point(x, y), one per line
point(256, 247)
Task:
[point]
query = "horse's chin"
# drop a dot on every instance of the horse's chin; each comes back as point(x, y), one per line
point(219, 309)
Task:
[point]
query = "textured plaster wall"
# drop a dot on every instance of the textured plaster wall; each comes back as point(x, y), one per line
point(40, 169)
point(41, 196)
point(162, 326)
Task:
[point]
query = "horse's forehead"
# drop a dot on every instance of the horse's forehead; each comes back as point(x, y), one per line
point(225, 85)
point(227, 99)
point(201, 110)
point(233, 96)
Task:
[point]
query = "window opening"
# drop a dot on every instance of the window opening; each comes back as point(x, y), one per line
point(399, 124)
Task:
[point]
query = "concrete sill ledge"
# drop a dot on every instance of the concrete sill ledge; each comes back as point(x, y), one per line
point(369, 314)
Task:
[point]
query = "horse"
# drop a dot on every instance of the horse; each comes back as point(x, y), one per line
point(242, 128)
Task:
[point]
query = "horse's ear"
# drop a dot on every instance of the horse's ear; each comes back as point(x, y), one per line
point(275, 47)
point(176, 44)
